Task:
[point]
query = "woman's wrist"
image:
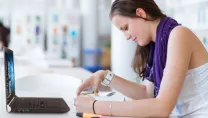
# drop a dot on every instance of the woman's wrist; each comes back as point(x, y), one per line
point(108, 77)
point(102, 107)
point(103, 73)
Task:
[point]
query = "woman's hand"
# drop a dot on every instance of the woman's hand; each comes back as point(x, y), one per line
point(84, 104)
point(94, 81)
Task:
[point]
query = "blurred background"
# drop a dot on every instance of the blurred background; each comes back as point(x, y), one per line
point(69, 34)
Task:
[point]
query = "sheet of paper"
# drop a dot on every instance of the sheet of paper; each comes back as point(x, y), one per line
point(103, 96)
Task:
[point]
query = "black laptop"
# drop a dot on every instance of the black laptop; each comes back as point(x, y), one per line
point(17, 104)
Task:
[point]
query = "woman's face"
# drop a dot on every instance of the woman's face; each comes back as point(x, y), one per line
point(135, 29)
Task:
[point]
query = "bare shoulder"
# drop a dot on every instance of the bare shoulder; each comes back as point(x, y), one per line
point(181, 30)
point(181, 36)
point(184, 36)
point(182, 33)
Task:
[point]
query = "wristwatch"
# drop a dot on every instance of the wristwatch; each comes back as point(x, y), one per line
point(108, 78)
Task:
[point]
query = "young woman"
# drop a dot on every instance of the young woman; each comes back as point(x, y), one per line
point(169, 55)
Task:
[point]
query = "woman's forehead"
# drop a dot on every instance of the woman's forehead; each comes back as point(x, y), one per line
point(119, 20)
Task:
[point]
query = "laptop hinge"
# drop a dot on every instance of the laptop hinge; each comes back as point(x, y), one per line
point(12, 101)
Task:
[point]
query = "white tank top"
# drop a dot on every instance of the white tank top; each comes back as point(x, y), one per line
point(193, 99)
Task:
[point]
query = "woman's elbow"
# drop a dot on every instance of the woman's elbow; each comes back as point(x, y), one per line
point(165, 114)
point(164, 109)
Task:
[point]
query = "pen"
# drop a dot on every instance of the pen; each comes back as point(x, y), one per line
point(87, 115)
point(111, 93)
point(87, 92)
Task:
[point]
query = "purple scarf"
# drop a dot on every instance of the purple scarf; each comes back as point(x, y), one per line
point(158, 53)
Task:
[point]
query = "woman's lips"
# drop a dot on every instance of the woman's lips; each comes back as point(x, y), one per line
point(135, 39)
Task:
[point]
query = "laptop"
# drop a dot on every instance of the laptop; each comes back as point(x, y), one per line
point(17, 104)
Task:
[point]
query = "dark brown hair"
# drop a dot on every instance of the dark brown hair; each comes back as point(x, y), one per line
point(4, 32)
point(128, 8)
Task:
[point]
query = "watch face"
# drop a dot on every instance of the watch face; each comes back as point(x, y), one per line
point(105, 82)
point(108, 78)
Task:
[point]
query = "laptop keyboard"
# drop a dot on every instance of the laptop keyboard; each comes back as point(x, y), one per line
point(35, 103)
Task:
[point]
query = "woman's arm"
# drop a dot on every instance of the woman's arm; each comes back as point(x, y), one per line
point(132, 90)
point(178, 58)
point(138, 91)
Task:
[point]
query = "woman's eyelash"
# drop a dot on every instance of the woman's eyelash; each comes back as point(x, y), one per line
point(126, 28)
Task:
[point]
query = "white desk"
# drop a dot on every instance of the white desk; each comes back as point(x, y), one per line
point(80, 73)
point(43, 86)
point(21, 71)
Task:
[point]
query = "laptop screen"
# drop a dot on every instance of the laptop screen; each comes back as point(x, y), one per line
point(9, 74)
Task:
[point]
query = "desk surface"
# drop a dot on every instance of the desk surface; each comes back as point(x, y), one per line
point(52, 85)
point(21, 71)
point(78, 72)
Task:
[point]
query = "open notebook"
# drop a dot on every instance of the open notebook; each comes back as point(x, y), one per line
point(109, 96)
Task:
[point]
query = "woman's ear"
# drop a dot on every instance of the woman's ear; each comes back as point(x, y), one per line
point(141, 13)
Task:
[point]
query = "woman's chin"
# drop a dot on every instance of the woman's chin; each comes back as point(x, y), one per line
point(141, 44)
